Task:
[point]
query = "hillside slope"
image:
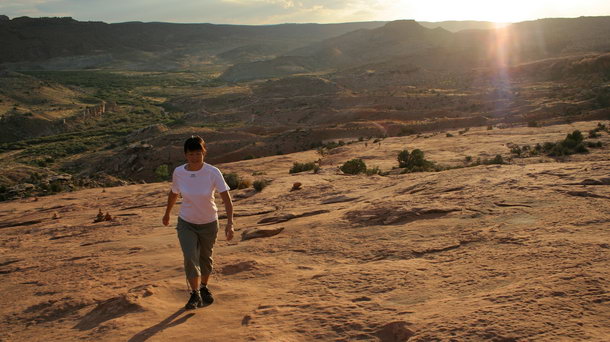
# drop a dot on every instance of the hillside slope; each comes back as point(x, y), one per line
point(64, 43)
point(395, 41)
point(491, 252)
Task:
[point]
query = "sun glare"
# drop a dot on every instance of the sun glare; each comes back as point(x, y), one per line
point(436, 10)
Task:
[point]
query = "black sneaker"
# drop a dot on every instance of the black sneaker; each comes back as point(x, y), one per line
point(206, 295)
point(194, 302)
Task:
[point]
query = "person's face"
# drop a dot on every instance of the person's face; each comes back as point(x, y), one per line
point(194, 157)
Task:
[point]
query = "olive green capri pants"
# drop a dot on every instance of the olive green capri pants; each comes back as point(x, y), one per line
point(197, 242)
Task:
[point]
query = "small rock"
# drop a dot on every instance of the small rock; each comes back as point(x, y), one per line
point(100, 216)
point(296, 186)
point(260, 233)
point(361, 299)
point(55, 216)
point(277, 219)
point(394, 332)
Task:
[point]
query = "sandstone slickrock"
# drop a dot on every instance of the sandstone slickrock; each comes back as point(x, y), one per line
point(260, 233)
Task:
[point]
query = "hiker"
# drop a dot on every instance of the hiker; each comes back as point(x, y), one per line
point(197, 224)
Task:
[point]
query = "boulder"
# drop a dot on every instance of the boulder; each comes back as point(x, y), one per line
point(260, 233)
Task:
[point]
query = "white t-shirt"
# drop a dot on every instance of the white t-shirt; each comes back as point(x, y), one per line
point(197, 190)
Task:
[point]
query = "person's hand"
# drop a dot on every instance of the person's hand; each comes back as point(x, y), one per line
point(229, 232)
point(166, 219)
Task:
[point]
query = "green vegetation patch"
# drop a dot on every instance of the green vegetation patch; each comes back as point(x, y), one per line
point(260, 184)
point(235, 181)
point(572, 144)
point(112, 80)
point(414, 161)
point(354, 166)
point(301, 167)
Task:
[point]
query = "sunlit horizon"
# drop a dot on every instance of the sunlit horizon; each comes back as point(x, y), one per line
point(267, 12)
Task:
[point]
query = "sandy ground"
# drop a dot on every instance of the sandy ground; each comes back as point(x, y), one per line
point(517, 252)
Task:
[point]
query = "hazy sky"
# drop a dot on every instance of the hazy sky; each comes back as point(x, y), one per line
point(259, 12)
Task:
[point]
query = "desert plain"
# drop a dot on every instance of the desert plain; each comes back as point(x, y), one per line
point(504, 252)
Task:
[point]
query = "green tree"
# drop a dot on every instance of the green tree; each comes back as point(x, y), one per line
point(403, 158)
point(414, 161)
point(354, 166)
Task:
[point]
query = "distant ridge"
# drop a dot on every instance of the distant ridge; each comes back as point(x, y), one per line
point(456, 26)
point(407, 39)
point(27, 39)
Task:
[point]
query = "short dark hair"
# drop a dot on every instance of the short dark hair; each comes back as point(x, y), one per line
point(194, 143)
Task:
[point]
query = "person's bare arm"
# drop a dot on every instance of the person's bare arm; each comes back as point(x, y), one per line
point(171, 200)
point(226, 199)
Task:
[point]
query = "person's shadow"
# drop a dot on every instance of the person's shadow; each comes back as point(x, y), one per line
point(159, 327)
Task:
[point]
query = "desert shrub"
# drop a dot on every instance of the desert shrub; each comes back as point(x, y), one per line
point(162, 172)
point(232, 180)
point(354, 166)
point(300, 167)
point(594, 133)
point(490, 127)
point(260, 184)
point(548, 146)
point(573, 139)
point(316, 169)
point(373, 171)
point(403, 158)
point(532, 124)
point(258, 173)
point(464, 131)
point(244, 183)
point(56, 187)
point(467, 159)
point(497, 160)
point(592, 144)
point(573, 143)
point(449, 135)
point(414, 161)
point(581, 148)
point(406, 130)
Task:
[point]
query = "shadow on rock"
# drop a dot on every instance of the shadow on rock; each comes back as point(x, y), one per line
point(159, 327)
point(110, 309)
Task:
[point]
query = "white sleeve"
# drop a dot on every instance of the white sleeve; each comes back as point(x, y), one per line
point(175, 187)
point(219, 182)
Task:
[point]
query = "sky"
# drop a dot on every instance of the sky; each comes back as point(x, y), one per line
point(265, 12)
